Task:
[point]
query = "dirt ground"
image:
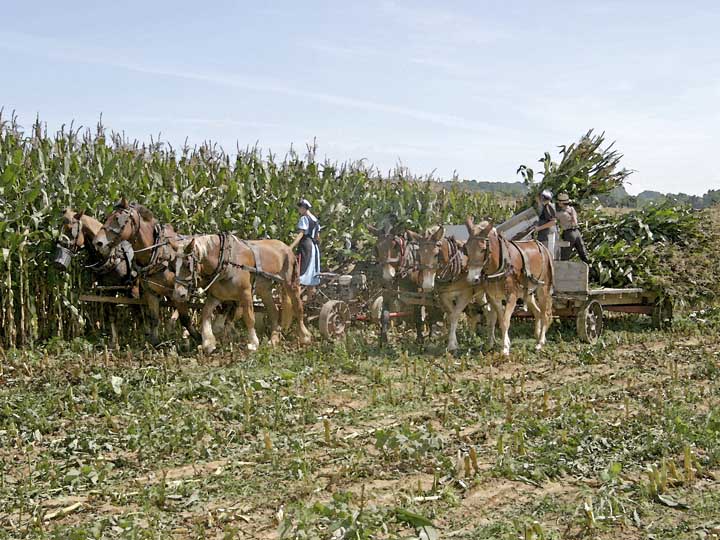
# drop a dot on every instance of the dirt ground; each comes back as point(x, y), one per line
point(615, 440)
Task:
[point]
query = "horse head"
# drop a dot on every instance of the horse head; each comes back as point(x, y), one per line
point(71, 230)
point(391, 250)
point(122, 224)
point(477, 248)
point(432, 247)
point(186, 270)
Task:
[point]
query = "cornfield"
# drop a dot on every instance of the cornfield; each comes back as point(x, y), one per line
point(201, 189)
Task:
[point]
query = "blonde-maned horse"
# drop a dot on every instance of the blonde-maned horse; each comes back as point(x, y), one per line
point(150, 241)
point(228, 269)
point(77, 232)
point(507, 271)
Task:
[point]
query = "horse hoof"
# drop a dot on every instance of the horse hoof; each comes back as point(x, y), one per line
point(538, 346)
point(252, 347)
point(208, 349)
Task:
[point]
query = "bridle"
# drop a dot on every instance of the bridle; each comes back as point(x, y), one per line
point(450, 269)
point(192, 281)
point(120, 221)
point(399, 242)
point(486, 249)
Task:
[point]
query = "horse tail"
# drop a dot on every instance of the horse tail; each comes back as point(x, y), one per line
point(295, 243)
point(549, 283)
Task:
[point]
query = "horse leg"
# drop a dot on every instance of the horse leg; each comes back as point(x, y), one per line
point(186, 321)
point(246, 299)
point(510, 303)
point(221, 320)
point(303, 332)
point(531, 302)
point(460, 302)
point(419, 323)
point(264, 291)
point(286, 309)
point(545, 301)
point(208, 339)
point(112, 316)
point(153, 306)
point(495, 313)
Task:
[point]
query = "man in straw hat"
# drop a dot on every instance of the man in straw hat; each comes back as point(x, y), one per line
point(567, 217)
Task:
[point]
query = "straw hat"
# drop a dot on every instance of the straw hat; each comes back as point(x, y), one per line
point(563, 198)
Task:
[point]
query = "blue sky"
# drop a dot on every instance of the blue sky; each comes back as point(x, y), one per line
point(476, 87)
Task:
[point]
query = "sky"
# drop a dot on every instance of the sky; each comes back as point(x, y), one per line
point(468, 87)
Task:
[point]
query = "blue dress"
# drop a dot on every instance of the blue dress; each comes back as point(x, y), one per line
point(309, 251)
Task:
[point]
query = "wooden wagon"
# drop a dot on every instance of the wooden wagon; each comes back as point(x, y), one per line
point(573, 298)
point(339, 300)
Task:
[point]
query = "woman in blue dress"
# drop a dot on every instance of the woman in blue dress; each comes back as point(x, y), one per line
point(307, 240)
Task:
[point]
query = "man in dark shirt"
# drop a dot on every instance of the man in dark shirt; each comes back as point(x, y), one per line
point(547, 217)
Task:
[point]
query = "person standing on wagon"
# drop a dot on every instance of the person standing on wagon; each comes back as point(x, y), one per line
point(567, 217)
point(307, 240)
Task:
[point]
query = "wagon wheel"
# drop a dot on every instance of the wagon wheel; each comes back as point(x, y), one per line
point(334, 318)
point(662, 314)
point(590, 321)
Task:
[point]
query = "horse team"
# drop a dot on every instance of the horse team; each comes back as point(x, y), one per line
point(486, 270)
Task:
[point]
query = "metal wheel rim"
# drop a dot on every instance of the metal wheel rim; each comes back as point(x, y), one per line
point(590, 321)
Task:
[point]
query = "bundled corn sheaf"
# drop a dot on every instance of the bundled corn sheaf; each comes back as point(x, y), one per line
point(199, 189)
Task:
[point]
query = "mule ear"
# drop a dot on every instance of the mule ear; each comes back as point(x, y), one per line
point(190, 246)
point(415, 237)
point(470, 224)
point(438, 235)
point(489, 228)
point(123, 203)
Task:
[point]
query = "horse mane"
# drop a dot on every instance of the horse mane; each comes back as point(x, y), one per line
point(144, 212)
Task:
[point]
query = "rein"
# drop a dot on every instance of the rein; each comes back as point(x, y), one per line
point(225, 260)
point(191, 283)
point(453, 266)
point(405, 262)
point(505, 265)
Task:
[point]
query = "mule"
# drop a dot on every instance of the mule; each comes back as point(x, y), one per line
point(78, 230)
point(230, 269)
point(150, 241)
point(508, 271)
point(442, 268)
point(397, 257)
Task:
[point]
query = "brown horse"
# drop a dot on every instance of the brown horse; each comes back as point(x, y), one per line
point(153, 255)
point(442, 268)
point(77, 232)
point(228, 269)
point(507, 271)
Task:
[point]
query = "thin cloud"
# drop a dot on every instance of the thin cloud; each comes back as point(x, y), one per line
point(28, 44)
